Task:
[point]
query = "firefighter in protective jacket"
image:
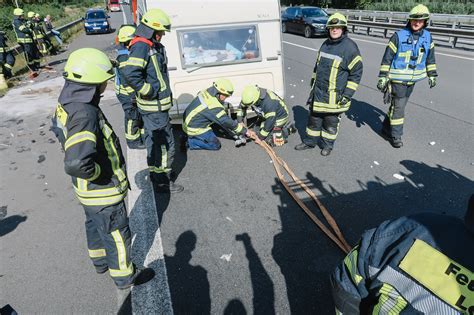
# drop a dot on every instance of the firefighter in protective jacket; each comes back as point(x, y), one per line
point(24, 37)
point(419, 264)
point(94, 160)
point(271, 111)
point(336, 76)
point(7, 60)
point(125, 94)
point(208, 109)
point(408, 58)
point(146, 71)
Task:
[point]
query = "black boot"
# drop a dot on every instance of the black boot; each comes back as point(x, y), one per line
point(396, 142)
point(326, 151)
point(141, 276)
point(303, 146)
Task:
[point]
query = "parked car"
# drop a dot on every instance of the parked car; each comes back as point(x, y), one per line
point(96, 21)
point(308, 21)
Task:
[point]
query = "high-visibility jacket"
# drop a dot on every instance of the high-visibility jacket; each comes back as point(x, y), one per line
point(93, 156)
point(409, 57)
point(22, 32)
point(146, 71)
point(420, 264)
point(206, 110)
point(271, 109)
point(7, 59)
point(337, 73)
point(37, 30)
point(122, 88)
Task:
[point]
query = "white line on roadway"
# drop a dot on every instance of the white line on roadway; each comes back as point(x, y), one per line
point(124, 16)
point(378, 43)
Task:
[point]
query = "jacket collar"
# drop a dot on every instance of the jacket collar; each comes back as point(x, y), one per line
point(74, 92)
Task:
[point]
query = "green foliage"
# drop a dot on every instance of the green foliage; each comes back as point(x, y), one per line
point(435, 6)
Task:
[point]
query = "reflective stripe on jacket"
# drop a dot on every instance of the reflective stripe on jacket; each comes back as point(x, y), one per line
point(409, 62)
point(120, 84)
point(206, 110)
point(22, 32)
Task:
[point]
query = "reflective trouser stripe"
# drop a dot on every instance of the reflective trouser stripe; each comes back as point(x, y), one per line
point(129, 135)
point(104, 201)
point(121, 251)
point(313, 133)
point(385, 68)
point(395, 122)
point(263, 132)
point(430, 67)
point(97, 253)
point(116, 273)
point(351, 264)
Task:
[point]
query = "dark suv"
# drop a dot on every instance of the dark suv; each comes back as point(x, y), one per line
point(96, 21)
point(308, 21)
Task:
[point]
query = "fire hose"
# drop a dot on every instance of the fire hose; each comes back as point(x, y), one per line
point(335, 234)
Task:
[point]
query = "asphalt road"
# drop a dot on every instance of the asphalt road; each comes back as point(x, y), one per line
point(233, 241)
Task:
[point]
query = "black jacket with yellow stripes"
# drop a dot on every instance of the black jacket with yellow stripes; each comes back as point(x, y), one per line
point(420, 264)
point(22, 32)
point(337, 73)
point(146, 71)
point(271, 109)
point(206, 110)
point(93, 156)
point(123, 90)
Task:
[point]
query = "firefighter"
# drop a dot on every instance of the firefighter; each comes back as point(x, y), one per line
point(125, 94)
point(271, 111)
point(419, 264)
point(24, 38)
point(146, 72)
point(38, 33)
point(41, 29)
point(336, 76)
point(408, 58)
point(94, 160)
point(208, 109)
point(7, 60)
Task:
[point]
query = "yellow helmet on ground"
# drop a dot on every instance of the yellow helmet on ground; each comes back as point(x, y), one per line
point(88, 65)
point(37, 15)
point(18, 12)
point(336, 20)
point(31, 14)
point(250, 95)
point(419, 12)
point(157, 19)
point(224, 86)
point(126, 33)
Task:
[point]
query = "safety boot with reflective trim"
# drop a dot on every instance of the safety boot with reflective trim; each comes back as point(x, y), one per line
point(141, 276)
point(303, 146)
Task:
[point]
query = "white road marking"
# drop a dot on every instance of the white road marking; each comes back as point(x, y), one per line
point(124, 16)
point(301, 46)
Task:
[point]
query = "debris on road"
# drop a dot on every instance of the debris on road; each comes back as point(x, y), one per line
point(229, 219)
point(376, 163)
point(41, 158)
point(432, 143)
point(442, 150)
point(398, 176)
point(226, 257)
point(292, 96)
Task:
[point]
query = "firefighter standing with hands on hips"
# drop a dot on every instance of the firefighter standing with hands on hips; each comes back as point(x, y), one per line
point(146, 72)
point(125, 93)
point(336, 76)
point(271, 111)
point(408, 58)
point(93, 158)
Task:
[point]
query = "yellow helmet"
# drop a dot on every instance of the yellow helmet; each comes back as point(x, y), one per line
point(18, 12)
point(419, 12)
point(250, 95)
point(88, 65)
point(224, 86)
point(37, 15)
point(126, 33)
point(336, 20)
point(31, 14)
point(157, 19)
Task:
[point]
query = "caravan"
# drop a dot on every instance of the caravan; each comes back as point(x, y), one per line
point(239, 40)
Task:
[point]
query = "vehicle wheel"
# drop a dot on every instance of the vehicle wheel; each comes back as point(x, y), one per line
point(283, 28)
point(308, 32)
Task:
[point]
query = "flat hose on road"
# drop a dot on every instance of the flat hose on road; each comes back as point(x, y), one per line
point(335, 235)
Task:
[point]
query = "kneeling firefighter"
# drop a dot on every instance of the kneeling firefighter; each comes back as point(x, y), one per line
point(94, 160)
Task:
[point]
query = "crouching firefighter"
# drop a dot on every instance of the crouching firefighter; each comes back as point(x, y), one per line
point(336, 76)
point(146, 71)
point(272, 114)
point(408, 58)
point(94, 160)
point(7, 60)
point(208, 109)
point(418, 264)
point(134, 133)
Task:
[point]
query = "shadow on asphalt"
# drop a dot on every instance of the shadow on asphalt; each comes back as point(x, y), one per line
point(364, 114)
point(300, 115)
point(235, 307)
point(189, 285)
point(306, 257)
point(262, 285)
point(10, 223)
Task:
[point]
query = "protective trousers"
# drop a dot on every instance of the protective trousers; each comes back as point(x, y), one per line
point(31, 55)
point(159, 143)
point(7, 60)
point(322, 127)
point(134, 132)
point(394, 119)
point(109, 241)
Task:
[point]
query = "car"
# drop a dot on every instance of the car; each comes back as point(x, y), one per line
point(309, 21)
point(96, 21)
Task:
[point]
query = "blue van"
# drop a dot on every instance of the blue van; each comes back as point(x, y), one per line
point(96, 21)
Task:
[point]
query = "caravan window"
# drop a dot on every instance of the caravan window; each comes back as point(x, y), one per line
point(220, 45)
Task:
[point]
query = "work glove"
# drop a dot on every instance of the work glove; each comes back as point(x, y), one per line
point(278, 139)
point(432, 82)
point(343, 101)
point(382, 83)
